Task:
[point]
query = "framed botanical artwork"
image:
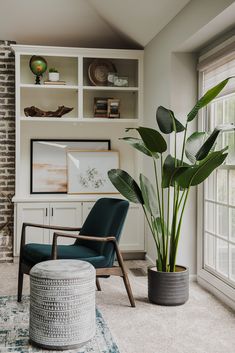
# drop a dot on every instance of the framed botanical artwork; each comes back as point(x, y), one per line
point(48, 172)
point(88, 171)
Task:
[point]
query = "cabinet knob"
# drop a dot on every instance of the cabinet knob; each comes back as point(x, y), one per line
point(46, 211)
point(52, 212)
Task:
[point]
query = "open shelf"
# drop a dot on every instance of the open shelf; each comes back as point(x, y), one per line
point(79, 120)
point(124, 67)
point(66, 66)
point(49, 99)
point(128, 102)
point(44, 86)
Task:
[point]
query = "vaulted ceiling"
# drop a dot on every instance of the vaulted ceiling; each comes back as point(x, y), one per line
point(86, 23)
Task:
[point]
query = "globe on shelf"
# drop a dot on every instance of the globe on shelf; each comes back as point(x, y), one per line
point(38, 66)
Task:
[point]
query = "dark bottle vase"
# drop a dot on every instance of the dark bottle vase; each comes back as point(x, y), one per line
point(168, 288)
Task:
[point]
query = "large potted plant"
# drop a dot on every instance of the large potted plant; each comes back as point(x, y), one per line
point(164, 202)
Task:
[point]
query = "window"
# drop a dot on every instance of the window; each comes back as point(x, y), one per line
point(218, 194)
point(219, 198)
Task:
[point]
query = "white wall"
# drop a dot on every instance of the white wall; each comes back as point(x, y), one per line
point(171, 81)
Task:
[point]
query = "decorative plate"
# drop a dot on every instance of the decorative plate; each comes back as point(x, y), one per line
point(98, 72)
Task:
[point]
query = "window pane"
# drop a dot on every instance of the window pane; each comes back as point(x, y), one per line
point(232, 224)
point(232, 262)
point(210, 250)
point(222, 257)
point(210, 217)
point(219, 112)
point(222, 185)
point(210, 187)
point(222, 221)
point(232, 187)
point(229, 110)
point(230, 142)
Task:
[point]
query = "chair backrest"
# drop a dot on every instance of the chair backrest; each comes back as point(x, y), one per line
point(106, 218)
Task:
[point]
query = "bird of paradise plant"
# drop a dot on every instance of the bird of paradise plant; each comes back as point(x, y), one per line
point(164, 203)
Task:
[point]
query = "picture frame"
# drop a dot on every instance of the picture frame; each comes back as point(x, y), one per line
point(48, 162)
point(88, 171)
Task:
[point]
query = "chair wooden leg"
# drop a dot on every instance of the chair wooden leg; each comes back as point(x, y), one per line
point(128, 289)
point(20, 284)
point(98, 284)
point(125, 276)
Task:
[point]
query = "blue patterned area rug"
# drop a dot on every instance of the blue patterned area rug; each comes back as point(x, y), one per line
point(14, 322)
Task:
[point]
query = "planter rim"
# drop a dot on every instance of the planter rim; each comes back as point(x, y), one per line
point(184, 269)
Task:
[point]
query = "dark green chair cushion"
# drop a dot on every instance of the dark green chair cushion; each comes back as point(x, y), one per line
point(34, 253)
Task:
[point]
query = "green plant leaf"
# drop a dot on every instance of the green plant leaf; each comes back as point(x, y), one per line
point(149, 195)
point(171, 169)
point(210, 141)
point(193, 144)
point(158, 224)
point(152, 139)
point(167, 122)
point(207, 98)
point(139, 145)
point(194, 175)
point(126, 185)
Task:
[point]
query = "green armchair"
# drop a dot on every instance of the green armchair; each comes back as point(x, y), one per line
point(97, 243)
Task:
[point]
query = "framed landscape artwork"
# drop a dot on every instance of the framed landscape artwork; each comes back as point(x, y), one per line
point(88, 171)
point(48, 174)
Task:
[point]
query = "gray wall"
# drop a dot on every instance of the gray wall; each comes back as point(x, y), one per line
point(171, 81)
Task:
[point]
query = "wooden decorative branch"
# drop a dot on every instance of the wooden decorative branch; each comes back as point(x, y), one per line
point(36, 112)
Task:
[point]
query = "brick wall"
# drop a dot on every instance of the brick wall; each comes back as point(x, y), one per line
point(7, 149)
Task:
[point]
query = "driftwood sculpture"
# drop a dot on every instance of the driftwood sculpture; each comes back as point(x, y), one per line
point(36, 112)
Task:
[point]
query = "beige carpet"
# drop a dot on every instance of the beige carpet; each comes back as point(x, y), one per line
point(202, 325)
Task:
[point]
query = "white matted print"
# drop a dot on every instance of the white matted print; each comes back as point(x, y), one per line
point(88, 171)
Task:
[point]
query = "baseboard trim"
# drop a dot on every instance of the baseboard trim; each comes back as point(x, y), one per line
point(133, 255)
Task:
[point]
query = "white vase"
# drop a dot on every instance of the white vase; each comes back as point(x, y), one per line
point(54, 76)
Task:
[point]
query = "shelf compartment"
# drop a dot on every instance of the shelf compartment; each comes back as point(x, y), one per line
point(67, 67)
point(128, 103)
point(49, 100)
point(124, 67)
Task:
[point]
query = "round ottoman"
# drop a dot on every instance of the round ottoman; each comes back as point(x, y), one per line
point(62, 304)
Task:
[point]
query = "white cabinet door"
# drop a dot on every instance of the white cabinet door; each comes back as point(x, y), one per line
point(132, 238)
point(32, 213)
point(67, 214)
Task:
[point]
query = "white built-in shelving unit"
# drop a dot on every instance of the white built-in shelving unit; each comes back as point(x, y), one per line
point(79, 93)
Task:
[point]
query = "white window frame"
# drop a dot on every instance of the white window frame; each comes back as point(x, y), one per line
point(208, 279)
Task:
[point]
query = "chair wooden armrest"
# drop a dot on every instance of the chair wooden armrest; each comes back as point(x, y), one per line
point(44, 226)
point(78, 236)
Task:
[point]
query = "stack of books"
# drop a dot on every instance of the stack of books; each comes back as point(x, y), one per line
point(100, 107)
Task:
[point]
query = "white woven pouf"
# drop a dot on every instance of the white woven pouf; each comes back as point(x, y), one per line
point(62, 304)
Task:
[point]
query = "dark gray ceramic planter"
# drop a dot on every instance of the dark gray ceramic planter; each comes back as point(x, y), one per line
point(168, 288)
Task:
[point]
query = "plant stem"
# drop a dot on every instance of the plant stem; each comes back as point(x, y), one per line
point(167, 228)
point(158, 194)
point(179, 228)
point(184, 142)
point(157, 241)
point(163, 212)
